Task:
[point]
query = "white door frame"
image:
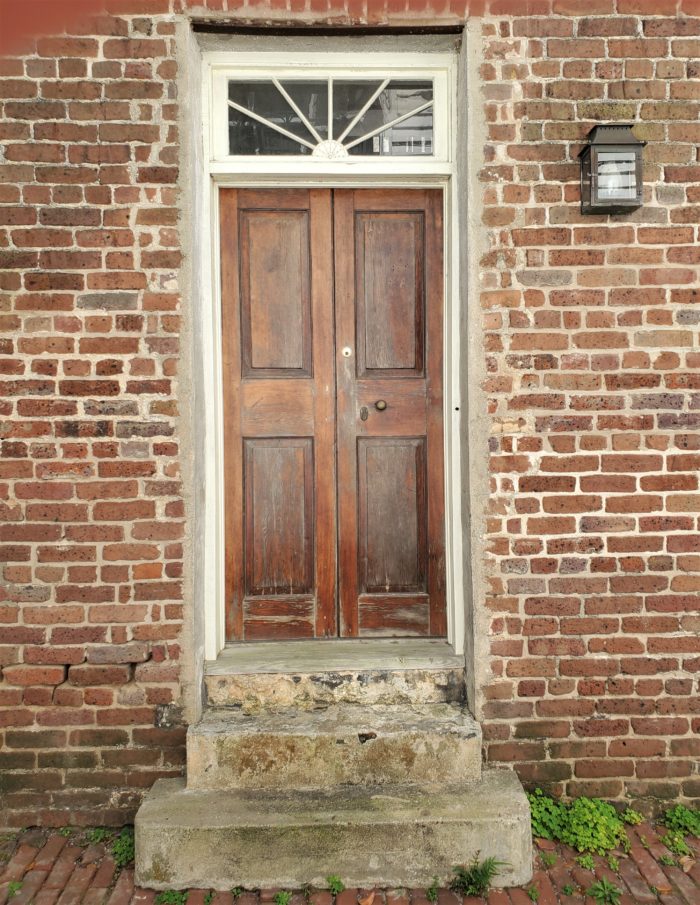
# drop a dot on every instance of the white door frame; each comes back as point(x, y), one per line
point(283, 173)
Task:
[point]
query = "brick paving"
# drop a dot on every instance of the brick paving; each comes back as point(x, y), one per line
point(44, 867)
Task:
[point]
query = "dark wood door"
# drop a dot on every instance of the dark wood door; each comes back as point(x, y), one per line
point(332, 338)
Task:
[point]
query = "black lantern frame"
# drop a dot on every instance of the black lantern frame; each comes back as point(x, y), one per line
point(611, 170)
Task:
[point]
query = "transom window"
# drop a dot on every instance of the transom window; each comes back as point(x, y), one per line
point(310, 108)
point(331, 118)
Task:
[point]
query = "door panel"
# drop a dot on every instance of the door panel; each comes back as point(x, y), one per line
point(279, 434)
point(275, 293)
point(278, 479)
point(391, 488)
point(389, 300)
point(331, 303)
point(389, 248)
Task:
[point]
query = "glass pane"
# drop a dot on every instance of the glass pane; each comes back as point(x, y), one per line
point(312, 99)
point(348, 100)
point(616, 175)
point(248, 135)
point(412, 136)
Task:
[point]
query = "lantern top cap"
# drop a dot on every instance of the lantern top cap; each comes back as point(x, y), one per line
point(617, 134)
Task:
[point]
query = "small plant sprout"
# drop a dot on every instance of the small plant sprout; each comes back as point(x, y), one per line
point(668, 861)
point(475, 878)
point(123, 848)
point(613, 863)
point(675, 843)
point(236, 891)
point(586, 862)
point(13, 887)
point(208, 897)
point(65, 831)
point(533, 893)
point(568, 889)
point(96, 835)
point(549, 859)
point(282, 897)
point(683, 820)
point(632, 817)
point(605, 893)
point(335, 884)
point(172, 897)
point(431, 892)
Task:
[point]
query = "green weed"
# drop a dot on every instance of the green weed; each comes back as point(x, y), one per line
point(568, 889)
point(475, 878)
point(587, 824)
point(549, 859)
point(282, 897)
point(96, 835)
point(605, 893)
point(613, 863)
point(123, 848)
point(533, 893)
point(675, 843)
point(431, 892)
point(632, 817)
point(683, 820)
point(335, 884)
point(586, 862)
point(172, 897)
point(13, 887)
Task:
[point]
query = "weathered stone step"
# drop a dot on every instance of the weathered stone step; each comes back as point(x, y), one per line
point(312, 674)
point(344, 744)
point(399, 836)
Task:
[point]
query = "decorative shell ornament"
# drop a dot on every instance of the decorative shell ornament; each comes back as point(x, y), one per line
point(330, 150)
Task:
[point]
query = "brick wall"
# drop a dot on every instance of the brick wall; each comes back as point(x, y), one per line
point(90, 502)
point(594, 401)
point(591, 333)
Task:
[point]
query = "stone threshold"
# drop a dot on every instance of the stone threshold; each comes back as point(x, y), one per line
point(334, 655)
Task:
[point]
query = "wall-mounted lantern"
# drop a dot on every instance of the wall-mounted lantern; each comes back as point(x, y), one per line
point(611, 171)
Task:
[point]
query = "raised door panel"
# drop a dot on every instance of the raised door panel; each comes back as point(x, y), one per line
point(279, 530)
point(275, 293)
point(390, 292)
point(392, 537)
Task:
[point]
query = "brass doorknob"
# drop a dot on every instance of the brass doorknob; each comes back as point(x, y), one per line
point(380, 405)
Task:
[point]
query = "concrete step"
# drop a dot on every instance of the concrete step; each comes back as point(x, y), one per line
point(399, 836)
point(312, 674)
point(344, 744)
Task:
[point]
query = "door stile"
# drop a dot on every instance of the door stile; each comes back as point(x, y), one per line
point(231, 362)
point(435, 284)
point(345, 341)
point(321, 212)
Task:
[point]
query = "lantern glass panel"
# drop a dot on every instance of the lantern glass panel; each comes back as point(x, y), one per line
point(616, 171)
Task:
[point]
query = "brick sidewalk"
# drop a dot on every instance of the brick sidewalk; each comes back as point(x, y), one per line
point(52, 869)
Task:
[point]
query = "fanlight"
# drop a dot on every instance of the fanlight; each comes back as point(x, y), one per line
point(331, 118)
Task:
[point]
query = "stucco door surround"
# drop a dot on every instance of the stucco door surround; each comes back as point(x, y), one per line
point(429, 176)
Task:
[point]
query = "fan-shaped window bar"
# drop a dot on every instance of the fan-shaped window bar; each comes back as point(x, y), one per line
point(331, 118)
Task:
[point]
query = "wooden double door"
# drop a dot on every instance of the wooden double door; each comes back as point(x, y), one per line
point(332, 317)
